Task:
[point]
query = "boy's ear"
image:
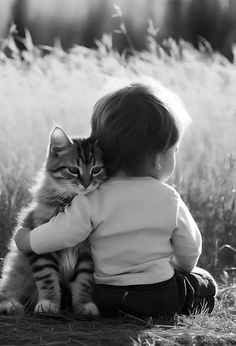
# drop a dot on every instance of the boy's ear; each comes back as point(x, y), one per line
point(157, 162)
point(59, 141)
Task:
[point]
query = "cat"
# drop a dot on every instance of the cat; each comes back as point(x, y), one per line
point(73, 166)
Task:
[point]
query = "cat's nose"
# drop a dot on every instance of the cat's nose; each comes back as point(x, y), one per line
point(85, 183)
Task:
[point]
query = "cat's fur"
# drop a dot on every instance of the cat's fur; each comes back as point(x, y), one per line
point(73, 166)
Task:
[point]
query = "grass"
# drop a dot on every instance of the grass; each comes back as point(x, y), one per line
point(41, 90)
point(66, 329)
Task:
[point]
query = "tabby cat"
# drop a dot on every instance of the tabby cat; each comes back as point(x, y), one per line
point(73, 166)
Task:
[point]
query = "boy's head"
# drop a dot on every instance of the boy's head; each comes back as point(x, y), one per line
point(132, 125)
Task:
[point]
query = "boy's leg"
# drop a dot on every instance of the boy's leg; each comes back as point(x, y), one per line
point(108, 299)
point(204, 289)
point(158, 300)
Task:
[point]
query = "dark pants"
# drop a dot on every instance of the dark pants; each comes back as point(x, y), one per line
point(184, 293)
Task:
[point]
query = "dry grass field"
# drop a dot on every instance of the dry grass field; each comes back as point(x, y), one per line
point(39, 91)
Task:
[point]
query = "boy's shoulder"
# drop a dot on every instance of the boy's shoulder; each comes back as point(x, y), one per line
point(168, 189)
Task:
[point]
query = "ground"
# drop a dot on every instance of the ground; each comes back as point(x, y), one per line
point(67, 330)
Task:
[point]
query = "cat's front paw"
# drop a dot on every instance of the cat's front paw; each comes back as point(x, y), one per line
point(11, 307)
point(46, 305)
point(89, 309)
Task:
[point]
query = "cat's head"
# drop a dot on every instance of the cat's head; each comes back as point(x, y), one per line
point(76, 165)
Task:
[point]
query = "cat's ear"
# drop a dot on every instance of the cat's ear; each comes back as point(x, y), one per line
point(59, 141)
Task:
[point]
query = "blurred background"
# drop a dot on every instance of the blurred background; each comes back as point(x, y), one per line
point(84, 21)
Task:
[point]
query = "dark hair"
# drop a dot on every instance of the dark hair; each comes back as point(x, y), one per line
point(131, 125)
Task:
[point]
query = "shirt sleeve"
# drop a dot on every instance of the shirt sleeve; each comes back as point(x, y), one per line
point(67, 229)
point(186, 240)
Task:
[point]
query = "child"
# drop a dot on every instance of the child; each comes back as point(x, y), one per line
point(144, 241)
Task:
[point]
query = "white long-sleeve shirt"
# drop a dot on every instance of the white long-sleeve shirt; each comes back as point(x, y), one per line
point(138, 228)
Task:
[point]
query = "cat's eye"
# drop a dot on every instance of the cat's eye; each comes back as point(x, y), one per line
point(73, 170)
point(96, 170)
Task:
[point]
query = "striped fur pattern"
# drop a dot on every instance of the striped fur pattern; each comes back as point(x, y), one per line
point(73, 166)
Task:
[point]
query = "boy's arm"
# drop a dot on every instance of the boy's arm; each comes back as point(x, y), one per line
point(186, 240)
point(67, 229)
point(22, 239)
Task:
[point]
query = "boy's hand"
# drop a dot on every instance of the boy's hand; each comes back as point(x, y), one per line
point(22, 239)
